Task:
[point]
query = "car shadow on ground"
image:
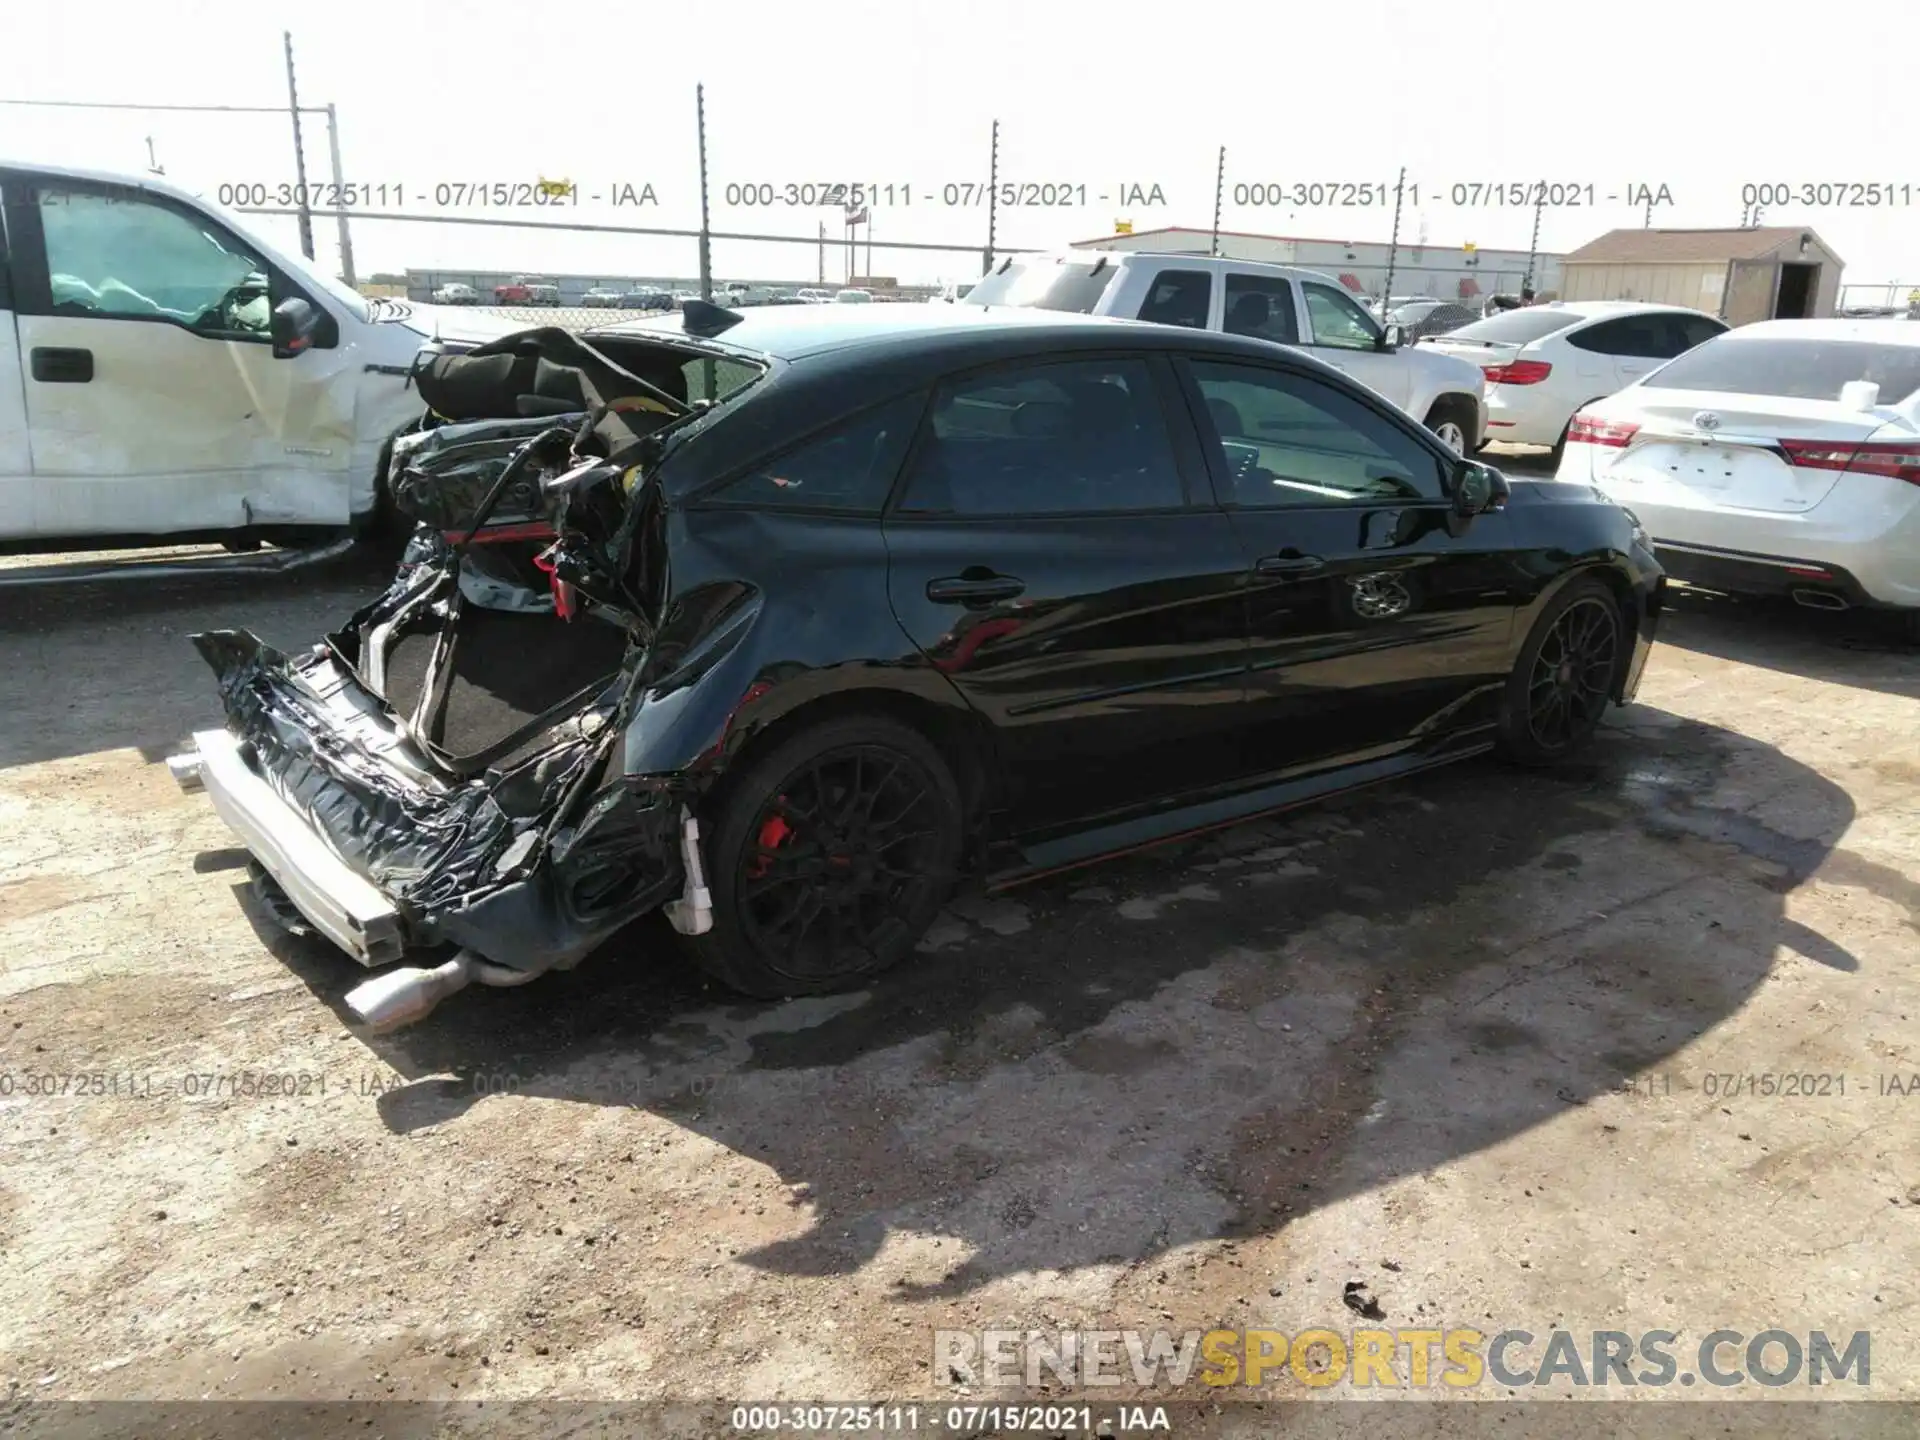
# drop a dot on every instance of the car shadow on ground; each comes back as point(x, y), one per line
point(1212, 1039)
point(1861, 648)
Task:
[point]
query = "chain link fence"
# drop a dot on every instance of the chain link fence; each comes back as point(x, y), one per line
point(1892, 299)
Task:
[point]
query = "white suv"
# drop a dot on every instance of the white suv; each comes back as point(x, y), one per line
point(1303, 308)
point(1544, 362)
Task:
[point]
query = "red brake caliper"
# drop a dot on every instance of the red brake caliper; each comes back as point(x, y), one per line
point(774, 832)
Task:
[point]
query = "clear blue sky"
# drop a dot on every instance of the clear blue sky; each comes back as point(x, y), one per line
point(1701, 98)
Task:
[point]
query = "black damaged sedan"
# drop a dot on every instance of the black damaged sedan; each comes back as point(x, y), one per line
point(784, 622)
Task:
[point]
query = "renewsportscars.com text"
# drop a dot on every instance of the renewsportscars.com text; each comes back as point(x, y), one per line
point(1403, 1359)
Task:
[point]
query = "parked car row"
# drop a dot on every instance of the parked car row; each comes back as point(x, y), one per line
point(952, 521)
point(1778, 458)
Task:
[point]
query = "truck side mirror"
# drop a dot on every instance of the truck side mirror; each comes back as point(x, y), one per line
point(295, 323)
point(1390, 338)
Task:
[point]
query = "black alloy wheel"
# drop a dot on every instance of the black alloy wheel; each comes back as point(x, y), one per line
point(1572, 673)
point(831, 858)
point(1561, 686)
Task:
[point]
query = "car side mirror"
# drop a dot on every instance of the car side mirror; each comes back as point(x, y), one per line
point(1390, 338)
point(1477, 489)
point(295, 323)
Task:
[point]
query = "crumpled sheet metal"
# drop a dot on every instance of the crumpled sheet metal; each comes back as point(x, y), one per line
point(440, 476)
point(456, 862)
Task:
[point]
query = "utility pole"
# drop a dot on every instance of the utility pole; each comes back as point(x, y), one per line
point(1533, 246)
point(821, 259)
point(1393, 245)
point(1219, 190)
point(993, 198)
point(299, 155)
point(706, 231)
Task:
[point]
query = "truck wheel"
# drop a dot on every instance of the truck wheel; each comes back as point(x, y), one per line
point(831, 855)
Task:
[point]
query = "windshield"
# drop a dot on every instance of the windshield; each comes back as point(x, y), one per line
point(1046, 284)
point(1517, 327)
point(1414, 310)
point(1801, 369)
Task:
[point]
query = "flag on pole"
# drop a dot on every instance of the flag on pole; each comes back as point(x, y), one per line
point(856, 214)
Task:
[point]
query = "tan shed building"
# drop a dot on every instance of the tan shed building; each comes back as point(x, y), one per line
point(1766, 273)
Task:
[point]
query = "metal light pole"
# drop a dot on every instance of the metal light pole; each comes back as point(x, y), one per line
point(299, 156)
point(706, 229)
point(1219, 190)
point(339, 198)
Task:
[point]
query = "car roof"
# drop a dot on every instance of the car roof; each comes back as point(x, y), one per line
point(831, 361)
point(1596, 308)
point(1877, 332)
point(793, 332)
point(1213, 264)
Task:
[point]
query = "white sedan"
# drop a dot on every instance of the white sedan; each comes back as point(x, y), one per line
point(1543, 362)
point(1780, 458)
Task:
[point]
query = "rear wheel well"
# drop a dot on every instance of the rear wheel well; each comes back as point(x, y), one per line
point(953, 733)
point(1463, 410)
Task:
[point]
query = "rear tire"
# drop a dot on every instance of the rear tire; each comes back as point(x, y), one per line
point(1564, 679)
point(831, 855)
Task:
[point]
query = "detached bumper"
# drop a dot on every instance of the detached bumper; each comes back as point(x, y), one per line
point(341, 905)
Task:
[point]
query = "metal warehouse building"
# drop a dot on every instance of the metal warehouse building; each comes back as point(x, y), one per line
point(1443, 272)
point(1763, 273)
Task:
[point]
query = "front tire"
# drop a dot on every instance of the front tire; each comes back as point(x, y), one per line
point(1564, 679)
point(1444, 420)
point(832, 854)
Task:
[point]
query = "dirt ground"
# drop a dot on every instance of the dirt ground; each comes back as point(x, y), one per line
point(1464, 1040)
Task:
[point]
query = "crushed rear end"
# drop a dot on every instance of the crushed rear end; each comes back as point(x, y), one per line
point(445, 770)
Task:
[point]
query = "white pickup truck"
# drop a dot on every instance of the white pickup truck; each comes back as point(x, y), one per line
point(1272, 302)
point(167, 374)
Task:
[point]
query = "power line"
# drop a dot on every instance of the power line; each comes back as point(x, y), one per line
point(205, 109)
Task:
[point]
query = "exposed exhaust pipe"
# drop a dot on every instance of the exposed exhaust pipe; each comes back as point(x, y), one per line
point(409, 994)
point(1819, 599)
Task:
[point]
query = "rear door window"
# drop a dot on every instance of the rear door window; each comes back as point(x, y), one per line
point(1261, 306)
point(1179, 297)
point(848, 469)
point(1643, 336)
point(1050, 438)
point(1694, 330)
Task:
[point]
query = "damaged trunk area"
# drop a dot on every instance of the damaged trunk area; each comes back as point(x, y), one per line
point(455, 742)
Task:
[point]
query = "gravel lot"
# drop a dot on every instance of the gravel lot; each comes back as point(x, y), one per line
point(1453, 1039)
